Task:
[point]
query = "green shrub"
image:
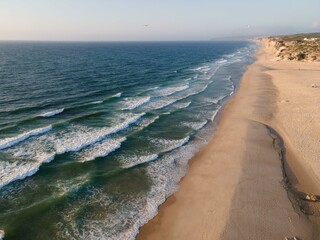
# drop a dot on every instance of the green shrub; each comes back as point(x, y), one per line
point(301, 56)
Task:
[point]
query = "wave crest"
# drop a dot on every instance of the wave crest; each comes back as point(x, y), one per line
point(134, 102)
point(11, 141)
point(52, 113)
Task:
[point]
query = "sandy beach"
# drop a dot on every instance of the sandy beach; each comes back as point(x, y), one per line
point(235, 187)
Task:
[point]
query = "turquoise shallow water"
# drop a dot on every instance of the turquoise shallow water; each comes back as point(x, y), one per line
point(95, 136)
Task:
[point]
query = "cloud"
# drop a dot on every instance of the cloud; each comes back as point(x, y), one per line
point(315, 24)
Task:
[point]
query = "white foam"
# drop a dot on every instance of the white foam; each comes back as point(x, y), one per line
point(153, 88)
point(165, 175)
point(131, 161)
point(216, 100)
point(207, 69)
point(65, 186)
point(87, 228)
point(231, 86)
point(11, 141)
point(221, 61)
point(202, 68)
point(52, 113)
point(161, 103)
point(214, 115)
point(101, 101)
point(122, 219)
point(18, 170)
point(171, 90)
point(166, 145)
point(96, 102)
point(232, 92)
point(167, 101)
point(117, 95)
point(79, 139)
point(134, 102)
point(101, 149)
point(194, 125)
point(194, 91)
point(182, 105)
point(209, 115)
point(209, 100)
point(30, 155)
point(147, 121)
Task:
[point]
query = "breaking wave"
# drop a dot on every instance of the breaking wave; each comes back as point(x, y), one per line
point(132, 161)
point(170, 90)
point(101, 149)
point(11, 141)
point(134, 102)
point(52, 113)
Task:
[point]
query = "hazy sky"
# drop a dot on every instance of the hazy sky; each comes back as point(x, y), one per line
point(166, 19)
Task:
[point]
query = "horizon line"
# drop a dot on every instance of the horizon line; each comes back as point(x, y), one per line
point(124, 41)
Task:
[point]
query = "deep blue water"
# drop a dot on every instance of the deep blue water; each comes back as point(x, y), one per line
point(95, 136)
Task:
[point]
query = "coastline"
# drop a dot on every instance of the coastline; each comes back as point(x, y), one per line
point(234, 186)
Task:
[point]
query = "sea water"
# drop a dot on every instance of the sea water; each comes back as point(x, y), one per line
point(95, 136)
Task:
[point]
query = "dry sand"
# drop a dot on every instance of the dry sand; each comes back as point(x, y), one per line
point(234, 188)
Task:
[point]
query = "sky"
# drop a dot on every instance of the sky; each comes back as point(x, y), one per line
point(154, 20)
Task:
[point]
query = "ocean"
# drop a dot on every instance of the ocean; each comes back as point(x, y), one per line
point(95, 136)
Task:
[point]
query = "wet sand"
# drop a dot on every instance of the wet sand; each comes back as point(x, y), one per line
point(234, 188)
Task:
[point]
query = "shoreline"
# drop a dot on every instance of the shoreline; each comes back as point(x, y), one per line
point(234, 186)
